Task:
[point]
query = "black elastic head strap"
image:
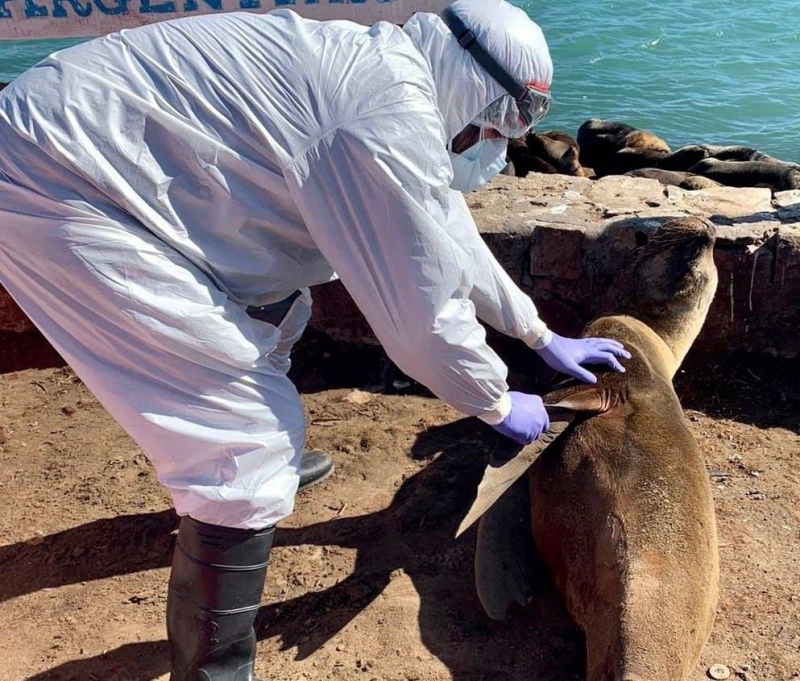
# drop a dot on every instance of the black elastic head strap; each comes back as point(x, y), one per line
point(467, 40)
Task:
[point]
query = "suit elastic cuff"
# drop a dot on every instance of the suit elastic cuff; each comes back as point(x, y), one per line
point(499, 413)
point(539, 337)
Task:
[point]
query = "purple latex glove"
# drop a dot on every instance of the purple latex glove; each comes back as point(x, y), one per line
point(527, 419)
point(567, 354)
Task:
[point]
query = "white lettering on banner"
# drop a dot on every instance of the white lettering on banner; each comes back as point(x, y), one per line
point(22, 19)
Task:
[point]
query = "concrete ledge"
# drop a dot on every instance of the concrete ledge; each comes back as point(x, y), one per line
point(562, 239)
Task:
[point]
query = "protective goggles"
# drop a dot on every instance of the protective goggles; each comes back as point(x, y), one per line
point(526, 105)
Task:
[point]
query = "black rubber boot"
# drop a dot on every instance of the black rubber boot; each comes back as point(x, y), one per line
point(315, 467)
point(215, 587)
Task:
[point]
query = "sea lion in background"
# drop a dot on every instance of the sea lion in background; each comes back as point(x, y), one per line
point(775, 176)
point(552, 152)
point(630, 158)
point(693, 182)
point(740, 153)
point(620, 505)
point(524, 162)
point(509, 169)
point(614, 148)
point(684, 158)
point(674, 178)
point(557, 149)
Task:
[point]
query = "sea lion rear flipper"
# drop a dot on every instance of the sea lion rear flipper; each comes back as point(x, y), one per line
point(504, 553)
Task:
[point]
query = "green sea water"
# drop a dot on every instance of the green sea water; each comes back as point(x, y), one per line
point(695, 71)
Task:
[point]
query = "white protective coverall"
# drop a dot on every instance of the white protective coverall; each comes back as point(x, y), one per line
point(157, 181)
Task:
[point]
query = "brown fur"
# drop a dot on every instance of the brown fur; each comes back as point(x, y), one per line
point(551, 152)
point(558, 149)
point(621, 506)
point(698, 182)
point(642, 139)
point(684, 158)
point(777, 176)
point(674, 178)
point(614, 148)
point(669, 177)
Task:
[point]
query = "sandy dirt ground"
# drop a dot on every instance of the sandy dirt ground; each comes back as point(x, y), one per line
point(366, 580)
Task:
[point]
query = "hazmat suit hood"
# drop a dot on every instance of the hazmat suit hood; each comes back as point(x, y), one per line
point(464, 88)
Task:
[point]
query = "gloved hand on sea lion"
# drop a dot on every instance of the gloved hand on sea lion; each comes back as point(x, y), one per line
point(526, 420)
point(568, 354)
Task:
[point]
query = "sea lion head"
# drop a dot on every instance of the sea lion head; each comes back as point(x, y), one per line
point(557, 150)
point(670, 282)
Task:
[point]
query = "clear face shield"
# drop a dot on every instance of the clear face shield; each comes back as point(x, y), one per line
point(515, 113)
point(514, 118)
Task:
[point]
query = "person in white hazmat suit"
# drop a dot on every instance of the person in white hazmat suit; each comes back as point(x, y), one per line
point(168, 194)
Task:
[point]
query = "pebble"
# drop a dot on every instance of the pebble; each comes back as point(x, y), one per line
point(358, 397)
point(719, 671)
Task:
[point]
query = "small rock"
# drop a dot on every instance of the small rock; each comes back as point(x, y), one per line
point(67, 410)
point(719, 671)
point(37, 538)
point(358, 397)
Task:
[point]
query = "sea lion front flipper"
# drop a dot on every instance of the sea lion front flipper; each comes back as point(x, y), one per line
point(591, 400)
point(497, 479)
point(504, 553)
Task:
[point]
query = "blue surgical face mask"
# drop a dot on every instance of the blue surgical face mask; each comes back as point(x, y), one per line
point(474, 167)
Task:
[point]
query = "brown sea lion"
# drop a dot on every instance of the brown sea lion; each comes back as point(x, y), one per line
point(614, 148)
point(674, 178)
point(620, 504)
point(775, 176)
point(684, 158)
point(698, 182)
point(735, 152)
point(557, 149)
point(598, 135)
point(509, 170)
point(524, 162)
point(551, 152)
point(741, 153)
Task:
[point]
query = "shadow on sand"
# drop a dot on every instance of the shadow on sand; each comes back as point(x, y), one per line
point(414, 535)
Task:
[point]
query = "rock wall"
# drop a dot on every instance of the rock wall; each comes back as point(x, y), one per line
point(562, 239)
